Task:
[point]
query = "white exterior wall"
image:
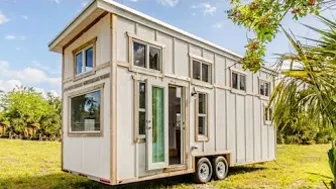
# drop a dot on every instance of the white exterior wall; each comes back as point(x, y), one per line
point(88, 155)
point(236, 120)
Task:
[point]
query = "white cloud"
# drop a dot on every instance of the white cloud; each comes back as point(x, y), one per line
point(56, 1)
point(84, 3)
point(25, 17)
point(3, 18)
point(171, 3)
point(217, 25)
point(206, 8)
point(8, 85)
point(10, 37)
point(4, 64)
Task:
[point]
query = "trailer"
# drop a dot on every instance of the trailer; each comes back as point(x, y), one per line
point(144, 100)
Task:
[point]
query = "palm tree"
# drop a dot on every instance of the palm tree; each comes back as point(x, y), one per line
point(310, 82)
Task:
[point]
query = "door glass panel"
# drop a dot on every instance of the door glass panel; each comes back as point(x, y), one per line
point(158, 138)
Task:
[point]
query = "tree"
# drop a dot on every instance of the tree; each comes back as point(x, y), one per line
point(264, 17)
point(311, 79)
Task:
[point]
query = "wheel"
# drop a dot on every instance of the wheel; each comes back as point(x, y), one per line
point(203, 171)
point(220, 167)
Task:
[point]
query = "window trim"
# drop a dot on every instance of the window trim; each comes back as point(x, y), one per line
point(260, 80)
point(99, 133)
point(198, 137)
point(202, 61)
point(267, 121)
point(137, 137)
point(238, 72)
point(82, 49)
point(134, 38)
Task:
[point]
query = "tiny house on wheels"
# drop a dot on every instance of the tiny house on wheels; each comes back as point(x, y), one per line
point(144, 100)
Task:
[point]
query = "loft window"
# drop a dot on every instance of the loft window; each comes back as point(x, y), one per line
point(147, 56)
point(238, 81)
point(84, 57)
point(202, 115)
point(201, 71)
point(85, 112)
point(264, 88)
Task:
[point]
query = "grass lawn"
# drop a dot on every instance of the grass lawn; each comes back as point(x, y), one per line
point(31, 164)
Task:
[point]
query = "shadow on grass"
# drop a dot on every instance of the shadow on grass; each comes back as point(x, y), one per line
point(69, 181)
point(245, 169)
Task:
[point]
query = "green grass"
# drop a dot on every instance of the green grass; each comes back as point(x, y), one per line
point(31, 164)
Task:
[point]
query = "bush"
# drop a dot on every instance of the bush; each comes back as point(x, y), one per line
point(26, 114)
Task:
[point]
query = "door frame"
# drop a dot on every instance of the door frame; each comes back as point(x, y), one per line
point(149, 124)
point(184, 109)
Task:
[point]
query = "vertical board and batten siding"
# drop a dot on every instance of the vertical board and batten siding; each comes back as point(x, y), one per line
point(88, 155)
point(235, 120)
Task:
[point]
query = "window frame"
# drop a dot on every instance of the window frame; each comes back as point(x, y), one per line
point(267, 114)
point(82, 49)
point(265, 81)
point(133, 38)
point(137, 136)
point(87, 133)
point(202, 62)
point(205, 137)
point(239, 74)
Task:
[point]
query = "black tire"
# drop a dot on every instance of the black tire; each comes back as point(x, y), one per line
point(220, 168)
point(203, 172)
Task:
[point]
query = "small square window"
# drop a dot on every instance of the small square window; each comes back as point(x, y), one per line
point(154, 58)
point(84, 57)
point(264, 88)
point(139, 51)
point(238, 81)
point(201, 71)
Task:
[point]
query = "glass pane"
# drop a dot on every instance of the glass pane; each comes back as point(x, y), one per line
point(89, 59)
point(261, 88)
point(201, 103)
point(142, 123)
point(158, 151)
point(265, 114)
point(201, 125)
point(85, 112)
point(154, 58)
point(196, 70)
point(142, 95)
point(266, 89)
point(242, 82)
point(79, 63)
point(139, 57)
point(206, 73)
point(270, 114)
point(234, 80)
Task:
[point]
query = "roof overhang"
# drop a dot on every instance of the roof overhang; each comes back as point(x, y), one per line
point(75, 27)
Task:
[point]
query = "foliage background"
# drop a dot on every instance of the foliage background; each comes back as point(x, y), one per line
point(27, 114)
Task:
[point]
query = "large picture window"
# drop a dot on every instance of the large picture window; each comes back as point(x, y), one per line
point(84, 57)
point(202, 116)
point(147, 56)
point(85, 112)
point(201, 71)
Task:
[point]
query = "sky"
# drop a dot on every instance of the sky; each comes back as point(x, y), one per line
point(27, 26)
